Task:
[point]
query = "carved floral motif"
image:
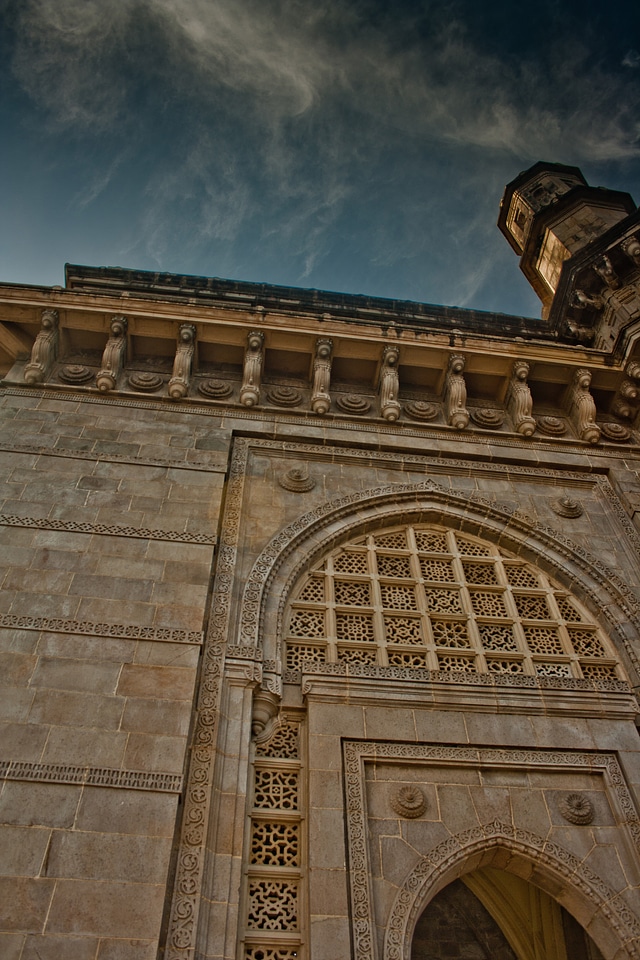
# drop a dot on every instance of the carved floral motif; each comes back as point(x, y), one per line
point(297, 480)
point(409, 802)
point(354, 404)
point(616, 432)
point(552, 426)
point(487, 417)
point(74, 373)
point(215, 389)
point(576, 808)
point(566, 507)
point(145, 382)
point(421, 410)
point(284, 396)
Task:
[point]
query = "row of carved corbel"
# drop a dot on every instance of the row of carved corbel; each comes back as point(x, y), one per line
point(45, 352)
point(578, 400)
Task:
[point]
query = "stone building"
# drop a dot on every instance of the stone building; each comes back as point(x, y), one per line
point(320, 613)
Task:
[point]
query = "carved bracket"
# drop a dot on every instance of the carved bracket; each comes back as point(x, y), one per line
point(113, 356)
point(581, 407)
point(181, 376)
point(320, 396)
point(253, 359)
point(519, 400)
point(389, 384)
point(45, 349)
point(455, 394)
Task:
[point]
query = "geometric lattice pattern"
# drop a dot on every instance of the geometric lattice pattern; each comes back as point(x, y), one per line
point(423, 596)
point(275, 855)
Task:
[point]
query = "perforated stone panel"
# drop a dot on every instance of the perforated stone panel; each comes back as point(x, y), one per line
point(428, 597)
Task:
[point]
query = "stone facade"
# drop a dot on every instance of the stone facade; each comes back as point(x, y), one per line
point(320, 619)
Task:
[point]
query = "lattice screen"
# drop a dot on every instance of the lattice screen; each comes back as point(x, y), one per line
point(421, 596)
point(274, 920)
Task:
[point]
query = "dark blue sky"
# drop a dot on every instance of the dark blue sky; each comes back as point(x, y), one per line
point(352, 145)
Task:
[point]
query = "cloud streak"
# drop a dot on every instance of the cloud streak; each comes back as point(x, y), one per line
point(276, 119)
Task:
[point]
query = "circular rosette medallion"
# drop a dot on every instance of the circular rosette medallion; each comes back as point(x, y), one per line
point(215, 389)
point(409, 802)
point(353, 403)
point(284, 396)
point(421, 410)
point(576, 808)
point(146, 382)
point(487, 417)
point(75, 373)
point(616, 432)
point(552, 426)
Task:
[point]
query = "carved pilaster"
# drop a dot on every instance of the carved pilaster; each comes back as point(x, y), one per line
point(581, 407)
point(253, 358)
point(455, 394)
point(179, 383)
point(519, 400)
point(113, 356)
point(389, 384)
point(320, 396)
point(45, 349)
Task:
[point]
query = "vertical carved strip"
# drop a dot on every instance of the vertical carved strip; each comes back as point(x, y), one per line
point(181, 376)
point(519, 401)
point(455, 394)
point(253, 358)
point(45, 349)
point(389, 384)
point(320, 395)
point(582, 408)
point(183, 918)
point(113, 356)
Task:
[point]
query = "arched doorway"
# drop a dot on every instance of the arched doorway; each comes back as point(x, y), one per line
point(493, 915)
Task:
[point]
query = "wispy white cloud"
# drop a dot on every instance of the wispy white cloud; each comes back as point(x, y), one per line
point(282, 114)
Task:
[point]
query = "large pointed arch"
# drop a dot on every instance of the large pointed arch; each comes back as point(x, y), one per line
point(599, 909)
point(302, 542)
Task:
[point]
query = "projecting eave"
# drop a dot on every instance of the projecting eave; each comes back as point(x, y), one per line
point(297, 301)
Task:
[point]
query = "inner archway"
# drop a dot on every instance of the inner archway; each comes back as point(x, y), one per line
point(493, 915)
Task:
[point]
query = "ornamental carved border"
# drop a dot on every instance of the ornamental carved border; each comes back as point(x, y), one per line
point(185, 905)
point(440, 860)
point(86, 628)
point(90, 776)
point(549, 548)
point(105, 529)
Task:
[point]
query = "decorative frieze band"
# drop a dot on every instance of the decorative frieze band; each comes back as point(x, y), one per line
point(416, 674)
point(91, 776)
point(74, 526)
point(122, 631)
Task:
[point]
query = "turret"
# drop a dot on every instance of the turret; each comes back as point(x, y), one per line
point(550, 216)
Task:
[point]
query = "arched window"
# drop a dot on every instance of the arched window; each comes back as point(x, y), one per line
point(424, 596)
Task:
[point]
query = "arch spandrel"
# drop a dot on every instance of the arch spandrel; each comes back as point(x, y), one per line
point(295, 550)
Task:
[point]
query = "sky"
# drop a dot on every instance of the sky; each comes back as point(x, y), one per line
point(359, 146)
